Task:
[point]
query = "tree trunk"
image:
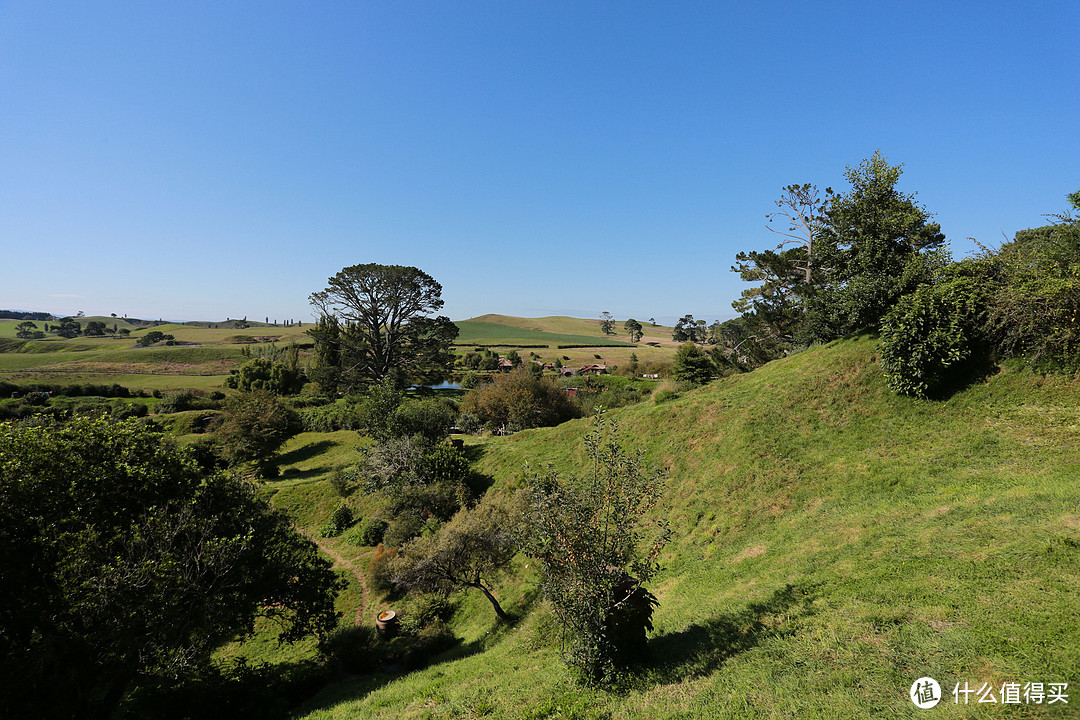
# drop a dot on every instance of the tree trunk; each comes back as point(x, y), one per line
point(494, 603)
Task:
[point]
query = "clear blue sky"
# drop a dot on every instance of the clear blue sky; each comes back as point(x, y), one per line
point(199, 160)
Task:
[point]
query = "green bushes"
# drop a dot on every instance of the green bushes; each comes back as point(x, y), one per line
point(329, 418)
point(341, 519)
point(930, 332)
point(369, 532)
point(521, 399)
point(1021, 301)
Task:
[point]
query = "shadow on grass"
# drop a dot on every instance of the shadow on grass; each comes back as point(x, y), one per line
point(304, 452)
point(703, 647)
point(297, 474)
point(975, 370)
point(379, 662)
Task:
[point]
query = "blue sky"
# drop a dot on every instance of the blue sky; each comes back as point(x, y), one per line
point(203, 160)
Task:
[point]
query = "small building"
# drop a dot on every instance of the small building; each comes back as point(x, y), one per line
point(593, 369)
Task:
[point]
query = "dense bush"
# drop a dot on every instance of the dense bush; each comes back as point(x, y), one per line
point(596, 548)
point(269, 375)
point(693, 365)
point(329, 418)
point(930, 332)
point(339, 521)
point(369, 532)
point(430, 417)
point(521, 399)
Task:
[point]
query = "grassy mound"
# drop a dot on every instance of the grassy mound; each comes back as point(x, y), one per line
point(833, 543)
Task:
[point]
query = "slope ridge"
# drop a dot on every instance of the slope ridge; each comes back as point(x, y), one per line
point(833, 543)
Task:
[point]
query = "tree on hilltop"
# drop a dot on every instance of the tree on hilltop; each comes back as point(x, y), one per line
point(382, 313)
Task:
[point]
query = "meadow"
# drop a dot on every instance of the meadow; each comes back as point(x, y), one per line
point(210, 353)
point(833, 542)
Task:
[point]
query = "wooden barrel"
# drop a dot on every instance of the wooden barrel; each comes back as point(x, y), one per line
point(386, 624)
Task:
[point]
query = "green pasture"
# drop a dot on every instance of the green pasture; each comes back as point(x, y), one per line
point(563, 325)
point(490, 333)
point(833, 543)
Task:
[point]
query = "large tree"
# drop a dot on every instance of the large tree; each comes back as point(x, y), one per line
point(383, 313)
point(121, 561)
point(874, 247)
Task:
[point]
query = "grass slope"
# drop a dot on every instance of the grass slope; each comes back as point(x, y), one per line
point(502, 329)
point(833, 542)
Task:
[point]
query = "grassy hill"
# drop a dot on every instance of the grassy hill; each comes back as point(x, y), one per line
point(504, 329)
point(833, 543)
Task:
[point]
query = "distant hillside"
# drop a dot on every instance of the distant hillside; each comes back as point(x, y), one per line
point(833, 543)
point(553, 331)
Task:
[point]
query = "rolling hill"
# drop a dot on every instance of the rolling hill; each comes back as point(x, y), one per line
point(833, 543)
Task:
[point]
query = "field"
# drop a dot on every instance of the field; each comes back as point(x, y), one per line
point(215, 351)
point(503, 332)
point(204, 363)
point(833, 542)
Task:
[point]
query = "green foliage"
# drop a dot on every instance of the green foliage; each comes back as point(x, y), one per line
point(376, 409)
point(692, 364)
point(339, 521)
point(153, 337)
point(468, 552)
point(263, 374)
point(369, 532)
point(177, 401)
point(597, 548)
point(256, 424)
point(869, 251)
point(94, 328)
point(470, 380)
point(344, 480)
point(27, 330)
point(429, 417)
point(633, 329)
point(329, 418)
point(930, 332)
point(68, 328)
point(1034, 311)
point(688, 330)
point(521, 399)
point(384, 325)
point(607, 323)
point(124, 560)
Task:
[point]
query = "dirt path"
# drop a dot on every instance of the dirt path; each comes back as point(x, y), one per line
point(341, 562)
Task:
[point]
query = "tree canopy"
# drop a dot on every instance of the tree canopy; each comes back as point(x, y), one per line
point(381, 323)
point(120, 560)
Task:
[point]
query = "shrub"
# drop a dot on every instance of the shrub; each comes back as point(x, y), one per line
point(269, 375)
point(425, 609)
point(519, 398)
point(929, 332)
point(177, 401)
point(430, 417)
point(343, 480)
point(339, 521)
point(369, 532)
point(596, 550)
point(692, 364)
point(403, 528)
point(381, 573)
point(469, 423)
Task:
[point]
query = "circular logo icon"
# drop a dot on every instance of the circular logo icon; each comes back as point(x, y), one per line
point(925, 693)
